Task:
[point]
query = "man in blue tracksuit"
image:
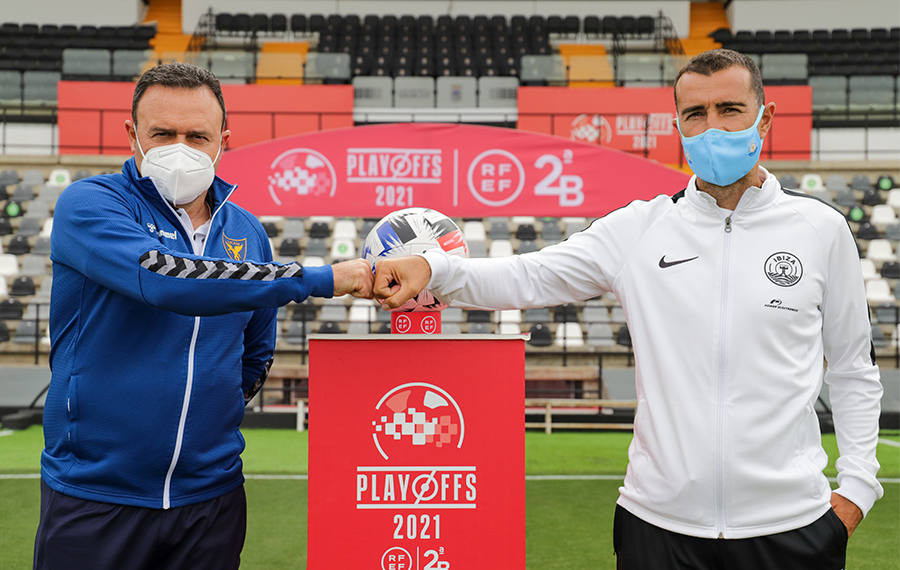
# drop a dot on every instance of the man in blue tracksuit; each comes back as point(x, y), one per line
point(162, 322)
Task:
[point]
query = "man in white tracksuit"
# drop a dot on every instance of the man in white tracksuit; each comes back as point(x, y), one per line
point(735, 291)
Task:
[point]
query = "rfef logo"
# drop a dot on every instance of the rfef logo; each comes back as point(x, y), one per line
point(417, 415)
point(496, 177)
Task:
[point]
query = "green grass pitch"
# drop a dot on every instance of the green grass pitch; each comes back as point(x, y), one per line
point(569, 522)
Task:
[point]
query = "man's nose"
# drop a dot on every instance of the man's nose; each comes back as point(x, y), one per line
point(714, 120)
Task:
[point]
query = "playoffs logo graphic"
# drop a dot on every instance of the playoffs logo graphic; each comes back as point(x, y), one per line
point(417, 414)
point(301, 172)
point(593, 129)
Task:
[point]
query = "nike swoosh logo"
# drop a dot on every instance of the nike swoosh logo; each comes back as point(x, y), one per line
point(663, 263)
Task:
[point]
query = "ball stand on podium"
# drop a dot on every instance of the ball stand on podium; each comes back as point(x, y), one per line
point(416, 450)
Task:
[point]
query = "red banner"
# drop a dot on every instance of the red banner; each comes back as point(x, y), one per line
point(416, 453)
point(638, 120)
point(92, 113)
point(460, 170)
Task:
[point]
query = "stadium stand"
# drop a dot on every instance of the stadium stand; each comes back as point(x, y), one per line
point(451, 62)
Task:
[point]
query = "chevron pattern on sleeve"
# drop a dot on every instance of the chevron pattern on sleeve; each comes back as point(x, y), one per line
point(184, 268)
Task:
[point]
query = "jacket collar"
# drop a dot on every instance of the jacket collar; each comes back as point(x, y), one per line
point(219, 191)
point(754, 198)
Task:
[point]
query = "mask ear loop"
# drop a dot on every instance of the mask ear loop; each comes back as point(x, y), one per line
point(218, 152)
point(137, 139)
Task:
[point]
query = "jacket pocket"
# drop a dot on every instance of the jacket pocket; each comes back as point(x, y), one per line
point(810, 455)
point(839, 526)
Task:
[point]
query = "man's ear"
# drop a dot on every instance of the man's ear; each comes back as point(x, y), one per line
point(131, 133)
point(765, 123)
point(226, 135)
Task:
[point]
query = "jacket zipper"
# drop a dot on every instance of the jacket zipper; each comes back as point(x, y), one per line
point(720, 390)
point(189, 383)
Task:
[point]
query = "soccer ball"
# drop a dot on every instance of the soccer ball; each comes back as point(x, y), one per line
point(412, 231)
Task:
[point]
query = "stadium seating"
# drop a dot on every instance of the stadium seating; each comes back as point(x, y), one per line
point(596, 325)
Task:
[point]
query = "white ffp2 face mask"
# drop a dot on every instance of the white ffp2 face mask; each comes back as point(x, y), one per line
point(179, 172)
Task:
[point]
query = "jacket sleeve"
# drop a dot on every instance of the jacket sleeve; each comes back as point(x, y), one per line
point(852, 376)
point(97, 232)
point(581, 267)
point(259, 339)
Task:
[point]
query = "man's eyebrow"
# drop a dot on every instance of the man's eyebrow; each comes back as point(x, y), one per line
point(689, 110)
point(719, 105)
point(160, 130)
point(730, 104)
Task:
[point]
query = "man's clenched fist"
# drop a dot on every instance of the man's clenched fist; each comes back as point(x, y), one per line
point(353, 277)
point(400, 279)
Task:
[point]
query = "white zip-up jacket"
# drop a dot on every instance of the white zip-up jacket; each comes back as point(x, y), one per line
point(732, 315)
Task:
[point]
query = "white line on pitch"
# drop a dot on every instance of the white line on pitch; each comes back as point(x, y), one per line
point(274, 477)
point(6, 432)
point(287, 477)
point(890, 442)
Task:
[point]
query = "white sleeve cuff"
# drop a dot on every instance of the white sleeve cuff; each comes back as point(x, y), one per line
point(857, 492)
point(437, 260)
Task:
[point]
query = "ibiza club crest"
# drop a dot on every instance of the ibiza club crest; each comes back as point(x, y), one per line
point(783, 269)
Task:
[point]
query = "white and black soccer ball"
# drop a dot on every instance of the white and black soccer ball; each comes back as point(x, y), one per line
point(411, 231)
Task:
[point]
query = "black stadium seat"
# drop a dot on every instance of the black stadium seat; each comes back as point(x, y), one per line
point(271, 229)
point(890, 270)
point(478, 316)
point(610, 25)
point(298, 23)
point(329, 327)
point(645, 25)
point(623, 336)
point(18, 245)
point(540, 336)
point(241, 23)
point(22, 286)
point(278, 23)
point(10, 309)
point(290, 247)
point(565, 314)
point(304, 312)
point(722, 35)
point(259, 23)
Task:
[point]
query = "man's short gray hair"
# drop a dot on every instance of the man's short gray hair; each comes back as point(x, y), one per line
point(715, 60)
point(177, 74)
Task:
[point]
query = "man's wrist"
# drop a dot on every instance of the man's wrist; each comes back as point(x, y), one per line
point(320, 280)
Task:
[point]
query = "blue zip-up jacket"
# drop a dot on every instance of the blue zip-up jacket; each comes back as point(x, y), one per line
point(154, 348)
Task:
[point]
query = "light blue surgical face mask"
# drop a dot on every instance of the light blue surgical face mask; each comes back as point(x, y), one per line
point(723, 157)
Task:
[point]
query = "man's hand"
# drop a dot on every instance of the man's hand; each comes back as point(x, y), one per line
point(399, 280)
point(849, 513)
point(353, 277)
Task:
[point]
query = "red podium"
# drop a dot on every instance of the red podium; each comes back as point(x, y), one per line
point(416, 452)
